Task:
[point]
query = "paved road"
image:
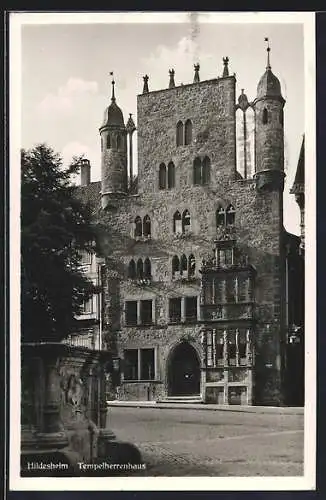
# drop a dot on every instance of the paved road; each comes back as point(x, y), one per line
point(212, 443)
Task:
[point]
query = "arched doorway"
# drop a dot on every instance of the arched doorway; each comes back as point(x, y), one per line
point(184, 371)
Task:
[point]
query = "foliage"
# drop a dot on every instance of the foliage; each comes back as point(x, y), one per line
point(55, 228)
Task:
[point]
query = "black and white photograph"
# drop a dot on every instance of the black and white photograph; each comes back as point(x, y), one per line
point(162, 251)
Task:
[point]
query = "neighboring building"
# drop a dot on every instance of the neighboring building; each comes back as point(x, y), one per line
point(195, 286)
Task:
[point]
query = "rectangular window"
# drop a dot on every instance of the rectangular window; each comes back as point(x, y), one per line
point(225, 257)
point(175, 310)
point(147, 364)
point(230, 290)
point(232, 348)
point(131, 313)
point(242, 346)
point(146, 312)
point(86, 257)
point(219, 347)
point(191, 308)
point(131, 364)
point(88, 306)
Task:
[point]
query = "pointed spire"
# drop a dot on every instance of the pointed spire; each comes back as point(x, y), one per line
point(131, 127)
point(226, 67)
point(113, 84)
point(268, 51)
point(196, 76)
point(145, 87)
point(171, 83)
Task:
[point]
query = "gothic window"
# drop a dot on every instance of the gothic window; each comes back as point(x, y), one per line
point(108, 141)
point(138, 227)
point(177, 223)
point(183, 264)
point(118, 141)
point(188, 132)
point(180, 134)
point(140, 269)
point(220, 216)
point(219, 347)
point(197, 171)
point(175, 265)
point(147, 268)
point(242, 346)
point(162, 176)
point(171, 175)
point(206, 167)
point(191, 266)
point(147, 226)
point(230, 215)
point(132, 269)
point(232, 348)
point(265, 116)
point(175, 310)
point(186, 222)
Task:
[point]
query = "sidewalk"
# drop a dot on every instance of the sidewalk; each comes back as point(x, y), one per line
point(208, 407)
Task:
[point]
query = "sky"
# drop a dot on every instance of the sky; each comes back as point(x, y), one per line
point(65, 76)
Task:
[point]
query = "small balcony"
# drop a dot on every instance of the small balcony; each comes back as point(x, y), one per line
point(227, 312)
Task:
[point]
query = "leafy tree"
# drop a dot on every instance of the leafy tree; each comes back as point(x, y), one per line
point(55, 228)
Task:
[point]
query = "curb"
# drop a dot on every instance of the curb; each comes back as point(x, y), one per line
point(207, 407)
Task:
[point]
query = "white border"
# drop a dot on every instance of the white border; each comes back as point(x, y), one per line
point(306, 482)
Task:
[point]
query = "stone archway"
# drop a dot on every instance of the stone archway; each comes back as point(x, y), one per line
point(184, 371)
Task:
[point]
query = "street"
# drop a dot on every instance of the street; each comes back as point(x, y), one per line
point(187, 442)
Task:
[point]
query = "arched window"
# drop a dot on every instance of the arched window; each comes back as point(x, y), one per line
point(132, 269)
point(265, 116)
point(183, 264)
point(140, 269)
point(197, 171)
point(171, 175)
point(177, 226)
point(147, 226)
point(281, 117)
point(186, 221)
point(191, 265)
point(162, 176)
point(118, 141)
point(138, 226)
point(188, 132)
point(179, 134)
point(230, 215)
point(220, 217)
point(147, 268)
point(206, 174)
point(175, 265)
point(108, 141)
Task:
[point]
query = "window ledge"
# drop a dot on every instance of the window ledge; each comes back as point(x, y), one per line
point(142, 381)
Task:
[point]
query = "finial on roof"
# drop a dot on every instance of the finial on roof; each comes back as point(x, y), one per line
point(131, 127)
point(171, 83)
point(113, 84)
point(196, 76)
point(226, 67)
point(268, 51)
point(145, 87)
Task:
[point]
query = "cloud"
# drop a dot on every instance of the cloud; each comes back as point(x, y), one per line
point(181, 57)
point(67, 96)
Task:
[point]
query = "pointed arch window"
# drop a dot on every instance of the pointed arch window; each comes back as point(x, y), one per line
point(179, 133)
point(197, 171)
point(162, 176)
point(230, 215)
point(138, 227)
point(119, 142)
point(132, 269)
point(140, 269)
point(281, 117)
point(175, 265)
point(108, 141)
point(171, 175)
point(191, 265)
point(186, 221)
point(147, 226)
point(177, 223)
point(206, 170)
point(147, 268)
point(188, 132)
point(183, 264)
point(220, 217)
point(265, 116)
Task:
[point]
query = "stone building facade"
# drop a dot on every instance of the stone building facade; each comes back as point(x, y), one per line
point(194, 286)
